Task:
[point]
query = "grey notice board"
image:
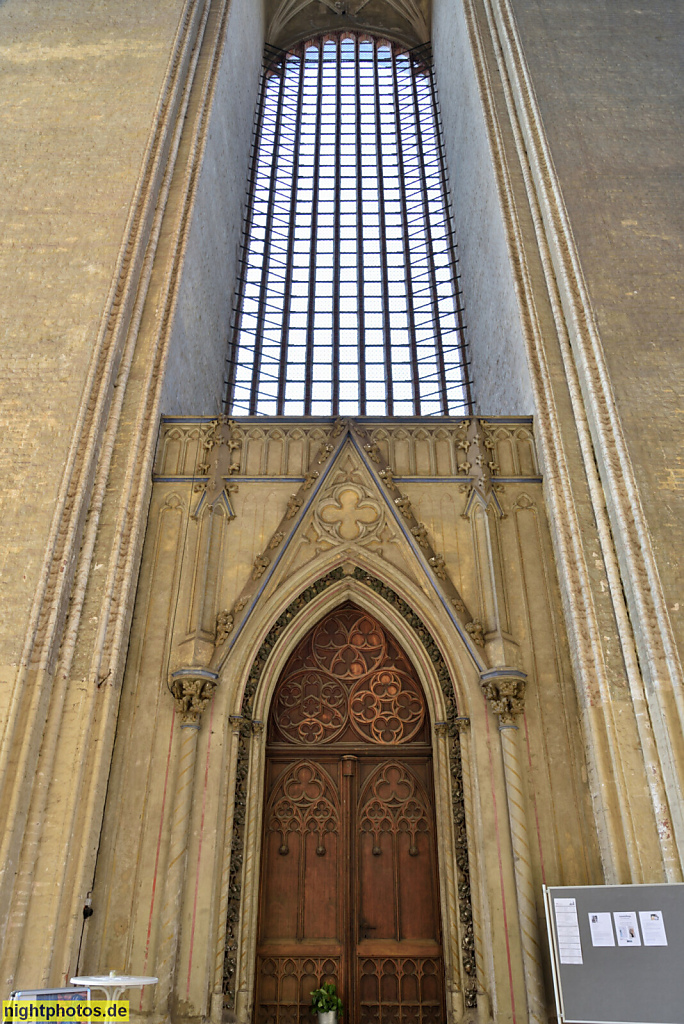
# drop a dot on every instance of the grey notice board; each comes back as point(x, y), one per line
point(635, 984)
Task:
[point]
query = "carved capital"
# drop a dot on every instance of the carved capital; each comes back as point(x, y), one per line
point(504, 688)
point(192, 690)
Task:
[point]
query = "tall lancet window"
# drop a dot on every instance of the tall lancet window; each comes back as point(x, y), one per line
point(348, 299)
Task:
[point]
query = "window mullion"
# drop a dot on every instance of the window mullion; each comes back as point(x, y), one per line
point(429, 247)
point(263, 288)
point(360, 273)
point(247, 230)
point(384, 273)
point(413, 344)
point(310, 320)
point(289, 259)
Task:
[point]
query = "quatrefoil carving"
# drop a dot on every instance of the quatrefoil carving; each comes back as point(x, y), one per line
point(348, 513)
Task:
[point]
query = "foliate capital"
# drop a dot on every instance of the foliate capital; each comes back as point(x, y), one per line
point(192, 690)
point(504, 688)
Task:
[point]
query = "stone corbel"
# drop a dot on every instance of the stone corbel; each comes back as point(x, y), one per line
point(504, 689)
point(192, 690)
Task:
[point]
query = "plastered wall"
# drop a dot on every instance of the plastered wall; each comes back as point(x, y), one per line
point(71, 155)
point(195, 373)
point(495, 339)
point(608, 81)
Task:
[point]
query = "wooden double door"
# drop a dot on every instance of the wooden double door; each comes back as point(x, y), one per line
point(349, 889)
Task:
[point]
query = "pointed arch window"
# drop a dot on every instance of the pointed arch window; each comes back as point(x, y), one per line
point(348, 301)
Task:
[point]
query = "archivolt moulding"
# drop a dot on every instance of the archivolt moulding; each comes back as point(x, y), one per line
point(449, 729)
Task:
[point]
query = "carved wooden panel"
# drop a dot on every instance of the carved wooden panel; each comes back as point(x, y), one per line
point(304, 802)
point(348, 680)
point(393, 805)
point(400, 990)
point(349, 873)
point(284, 984)
point(302, 851)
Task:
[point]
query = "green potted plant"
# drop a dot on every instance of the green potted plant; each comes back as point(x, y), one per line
point(327, 1004)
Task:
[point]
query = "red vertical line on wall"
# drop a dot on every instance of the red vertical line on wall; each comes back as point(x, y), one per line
point(156, 858)
point(534, 802)
point(498, 850)
point(384, 270)
point(199, 851)
point(247, 228)
point(313, 245)
point(450, 237)
point(289, 260)
point(417, 67)
point(360, 274)
point(406, 244)
point(266, 257)
point(336, 235)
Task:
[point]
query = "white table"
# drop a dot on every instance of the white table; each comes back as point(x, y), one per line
point(113, 984)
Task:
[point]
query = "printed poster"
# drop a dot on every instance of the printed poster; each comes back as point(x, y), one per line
point(567, 930)
point(653, 927)
point(626, 928)
point(601, 928)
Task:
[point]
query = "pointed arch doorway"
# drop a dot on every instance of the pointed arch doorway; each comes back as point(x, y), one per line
point(349, 885)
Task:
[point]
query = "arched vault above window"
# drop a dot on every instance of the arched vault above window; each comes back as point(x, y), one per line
point(402, 21)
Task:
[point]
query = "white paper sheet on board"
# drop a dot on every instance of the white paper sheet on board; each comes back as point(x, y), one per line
point(567, 930)
point(601, 928)
point(626, 928)
point(653, 927)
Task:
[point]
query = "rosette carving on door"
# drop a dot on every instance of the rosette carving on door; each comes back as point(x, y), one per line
point(349, 679)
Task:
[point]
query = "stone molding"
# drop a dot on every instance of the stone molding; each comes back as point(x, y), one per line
point(591, 399)
point(640, 608)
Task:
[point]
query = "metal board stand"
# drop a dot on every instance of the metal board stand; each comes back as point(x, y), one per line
point(631, 981)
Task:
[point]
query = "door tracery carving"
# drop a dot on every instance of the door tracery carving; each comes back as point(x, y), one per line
point(393, 804)
point(304, 802)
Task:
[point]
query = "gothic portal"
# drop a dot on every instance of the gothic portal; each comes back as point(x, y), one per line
point(349, 887)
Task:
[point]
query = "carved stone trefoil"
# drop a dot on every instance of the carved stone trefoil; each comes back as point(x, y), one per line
point(504, 688)
point(192, 690)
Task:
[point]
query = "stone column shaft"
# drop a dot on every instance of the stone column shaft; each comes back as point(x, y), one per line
point(192, 690)
point(504, 689)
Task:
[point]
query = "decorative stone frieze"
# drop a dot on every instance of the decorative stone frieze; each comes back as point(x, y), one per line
point(412, 449)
